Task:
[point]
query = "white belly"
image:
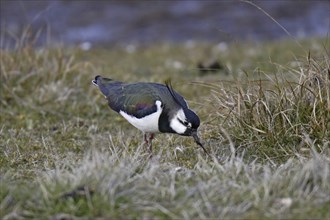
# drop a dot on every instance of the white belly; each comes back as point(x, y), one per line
point(148, 123)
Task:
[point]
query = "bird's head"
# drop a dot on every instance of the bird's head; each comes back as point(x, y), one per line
point(185, 122)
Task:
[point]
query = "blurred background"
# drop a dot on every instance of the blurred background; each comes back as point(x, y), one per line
point(107, 23)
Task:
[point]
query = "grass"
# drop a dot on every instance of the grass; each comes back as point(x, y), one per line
point(265, 120)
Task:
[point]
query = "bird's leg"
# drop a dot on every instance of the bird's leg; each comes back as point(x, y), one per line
point(145, 139)
point(151, 137)
point(148, 141)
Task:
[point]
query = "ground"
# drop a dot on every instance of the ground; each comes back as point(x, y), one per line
point(264, 120)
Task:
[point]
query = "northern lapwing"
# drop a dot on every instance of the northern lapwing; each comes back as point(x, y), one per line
point(150, 107)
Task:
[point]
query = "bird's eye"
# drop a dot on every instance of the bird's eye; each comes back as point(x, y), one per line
point(183, 122)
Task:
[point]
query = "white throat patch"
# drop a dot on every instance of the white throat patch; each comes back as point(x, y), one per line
point(148, 123)
point(176, 125)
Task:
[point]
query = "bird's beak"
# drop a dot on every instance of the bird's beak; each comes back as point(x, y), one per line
point(197, 140)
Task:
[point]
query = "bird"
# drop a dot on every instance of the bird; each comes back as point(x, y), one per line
point(211, 67)
point(150, 107)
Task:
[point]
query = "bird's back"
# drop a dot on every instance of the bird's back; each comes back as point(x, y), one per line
point(133, 98)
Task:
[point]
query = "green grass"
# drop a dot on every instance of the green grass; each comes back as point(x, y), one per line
point(265, 121)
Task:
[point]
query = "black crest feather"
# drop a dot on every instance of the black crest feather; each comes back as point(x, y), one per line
point(172, 92)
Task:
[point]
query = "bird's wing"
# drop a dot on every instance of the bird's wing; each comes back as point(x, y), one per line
point(140, 106)
point(134, 99)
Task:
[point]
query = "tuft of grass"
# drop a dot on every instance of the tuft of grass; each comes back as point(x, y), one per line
point(122, 184)
point(277, 118)
point(65, 154)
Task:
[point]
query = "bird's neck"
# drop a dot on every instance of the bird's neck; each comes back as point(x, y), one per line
point(164, 123)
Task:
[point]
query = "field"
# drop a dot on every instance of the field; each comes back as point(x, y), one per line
point(265, 120)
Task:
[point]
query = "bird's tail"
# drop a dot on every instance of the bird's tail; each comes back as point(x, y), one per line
point(104, 84)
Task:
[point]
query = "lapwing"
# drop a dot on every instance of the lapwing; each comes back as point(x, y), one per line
point(151, 108)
